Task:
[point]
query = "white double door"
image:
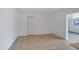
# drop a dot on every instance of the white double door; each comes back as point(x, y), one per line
point(31, 25)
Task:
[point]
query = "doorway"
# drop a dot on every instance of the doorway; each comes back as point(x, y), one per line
point(72, 27)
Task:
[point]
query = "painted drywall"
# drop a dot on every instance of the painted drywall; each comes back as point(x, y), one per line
point(42, 23)
point(8, 29)
point(21, 25)
point(59, 22)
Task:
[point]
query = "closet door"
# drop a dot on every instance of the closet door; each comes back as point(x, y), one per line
point(31, 25)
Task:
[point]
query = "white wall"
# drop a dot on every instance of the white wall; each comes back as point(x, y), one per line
point(21, 25)
point(59, 22)
point(8, 29)
point(42, 23)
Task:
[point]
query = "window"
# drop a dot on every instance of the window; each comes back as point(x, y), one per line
point(76, 22)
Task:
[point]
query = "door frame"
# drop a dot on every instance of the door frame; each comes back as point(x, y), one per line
point(67, 15)
point(28, 21)
point(66, 27)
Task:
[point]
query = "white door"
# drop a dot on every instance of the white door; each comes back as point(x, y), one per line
point(30, 24)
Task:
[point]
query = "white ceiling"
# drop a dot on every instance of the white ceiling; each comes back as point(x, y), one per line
point(42, 10)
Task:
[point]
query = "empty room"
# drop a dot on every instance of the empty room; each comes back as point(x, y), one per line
point(35, 29)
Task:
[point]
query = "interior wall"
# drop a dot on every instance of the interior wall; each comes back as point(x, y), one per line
point(8, 31)
point(42, 23)
point(59, 22)
point(21, 25)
